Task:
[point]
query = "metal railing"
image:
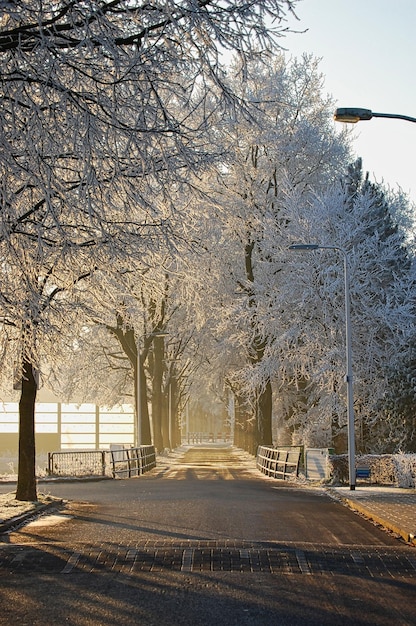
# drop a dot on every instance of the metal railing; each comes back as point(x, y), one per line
point(118, 462)
point(278, 463)
point(77, 463)
point(128, 462)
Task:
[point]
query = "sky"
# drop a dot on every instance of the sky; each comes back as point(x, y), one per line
point(368, 52)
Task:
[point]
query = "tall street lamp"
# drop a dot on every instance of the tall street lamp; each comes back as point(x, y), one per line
point(352, 115)
point(348, 376)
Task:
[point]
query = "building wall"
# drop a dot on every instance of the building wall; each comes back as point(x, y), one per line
point(60, 426)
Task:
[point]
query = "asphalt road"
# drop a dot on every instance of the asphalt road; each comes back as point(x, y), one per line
point(206, 541)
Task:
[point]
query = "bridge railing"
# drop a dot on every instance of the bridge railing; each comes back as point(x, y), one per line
point(128, 462)
point(278, 463)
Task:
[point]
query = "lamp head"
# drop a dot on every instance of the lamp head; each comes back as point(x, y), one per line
point(352, 115)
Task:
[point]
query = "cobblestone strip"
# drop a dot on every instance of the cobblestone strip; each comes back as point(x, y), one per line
point(187, 560)
point(71, 563)
point(302, 562)
point(132, 561)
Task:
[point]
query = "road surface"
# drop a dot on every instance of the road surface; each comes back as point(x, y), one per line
point(204, 540)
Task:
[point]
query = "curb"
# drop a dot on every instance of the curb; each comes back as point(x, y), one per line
point(353, 504)
point(18, 520)
point(62, 479)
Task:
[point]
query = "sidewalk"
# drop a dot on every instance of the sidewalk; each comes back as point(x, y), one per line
point(390, 507)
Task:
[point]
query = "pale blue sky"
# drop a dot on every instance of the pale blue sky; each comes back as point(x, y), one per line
point(368, 51)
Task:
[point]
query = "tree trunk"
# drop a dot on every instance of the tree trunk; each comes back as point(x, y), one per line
point(165, 421)
point(26, 482)
point(243, 429)
point(262, 430)
point(128, 342)
point(264, 417)
point(146, 435)
point(175, 428)
point(157, 397)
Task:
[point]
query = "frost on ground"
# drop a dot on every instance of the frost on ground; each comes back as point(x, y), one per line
point(9, 463)
point(10, 507)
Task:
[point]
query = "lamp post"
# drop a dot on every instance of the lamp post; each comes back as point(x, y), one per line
point(352, 115)
point(348, 350)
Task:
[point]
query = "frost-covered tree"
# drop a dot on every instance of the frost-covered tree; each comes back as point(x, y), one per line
point(134, 314)
point(394, 429)
point(367, 223)
point(277, 320)
point(103, 112)
point(287, 143)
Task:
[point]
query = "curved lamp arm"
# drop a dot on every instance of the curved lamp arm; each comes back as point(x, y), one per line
point(352, 115)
